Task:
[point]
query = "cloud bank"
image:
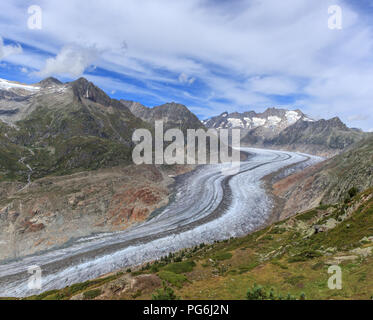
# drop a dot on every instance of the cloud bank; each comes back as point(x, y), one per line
point(72, 60)
point(211, 55)
point(8, 50)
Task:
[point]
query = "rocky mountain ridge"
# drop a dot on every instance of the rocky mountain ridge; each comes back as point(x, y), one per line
point(289, 130)
point(173, 114)
point(64, 148)
point(329, 182)
point(63, 128)
point(273, 118)
point(65, 166)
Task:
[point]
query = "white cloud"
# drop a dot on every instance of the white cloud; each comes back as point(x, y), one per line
point(184, 79)
point(273, 85)
point(240, 52)
point(8, 50)
point(358, 117)
point(72, 60)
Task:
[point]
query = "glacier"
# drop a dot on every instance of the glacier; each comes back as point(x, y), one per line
point(207, 206)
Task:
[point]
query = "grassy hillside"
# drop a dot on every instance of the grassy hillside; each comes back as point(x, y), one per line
point(78, 129)
point(328, 182)
point(290, 259)
point(352, 168)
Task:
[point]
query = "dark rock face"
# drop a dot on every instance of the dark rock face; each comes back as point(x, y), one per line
point(9, 112)
point(50, 82)
point(321, 136)
point(173, 114)
point(10, 96)
point(84, 89)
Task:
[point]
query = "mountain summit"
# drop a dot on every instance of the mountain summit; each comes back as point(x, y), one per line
point(173, 114)
point(50, 82)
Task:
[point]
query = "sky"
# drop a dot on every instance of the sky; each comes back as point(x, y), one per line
point(211, 55)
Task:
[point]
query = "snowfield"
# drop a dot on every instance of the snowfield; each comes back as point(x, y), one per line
point(8, 85)
point(208, 206)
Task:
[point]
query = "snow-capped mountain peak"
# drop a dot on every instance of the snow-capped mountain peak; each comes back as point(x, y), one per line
point(272, 118)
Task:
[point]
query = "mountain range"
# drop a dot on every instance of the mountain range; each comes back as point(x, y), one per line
point(288, 130)
point(62, 128)
point(66, 165)
point(66, 172)
point(65, 157)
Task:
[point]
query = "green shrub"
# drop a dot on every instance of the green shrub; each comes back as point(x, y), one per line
point(55, 296)
point(277, 263)
point(294, 280)
point(166, 293)
point(180, 267)
point(277, 230)
point(256, 293)
point(137, 294)
point(43, 295)
point(268, 237)
point(353, 192)
point(91, 294)
point(220, 256)
point(307, 215)
point(305, 255)
point(154, 269)
point(75, 288)
point(259, 293)
point(175, 279)
point(324, 206)
point(247, 268)
point(317, 266)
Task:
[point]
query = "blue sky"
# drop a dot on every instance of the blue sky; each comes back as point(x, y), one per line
point(210, 55)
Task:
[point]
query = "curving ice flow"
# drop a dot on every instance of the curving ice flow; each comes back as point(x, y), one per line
point(208, 206)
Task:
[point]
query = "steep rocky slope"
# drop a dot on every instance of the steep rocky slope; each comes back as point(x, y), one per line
point(329, 182)
point(323, 137)
point(52, 210)
point(174, 115)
